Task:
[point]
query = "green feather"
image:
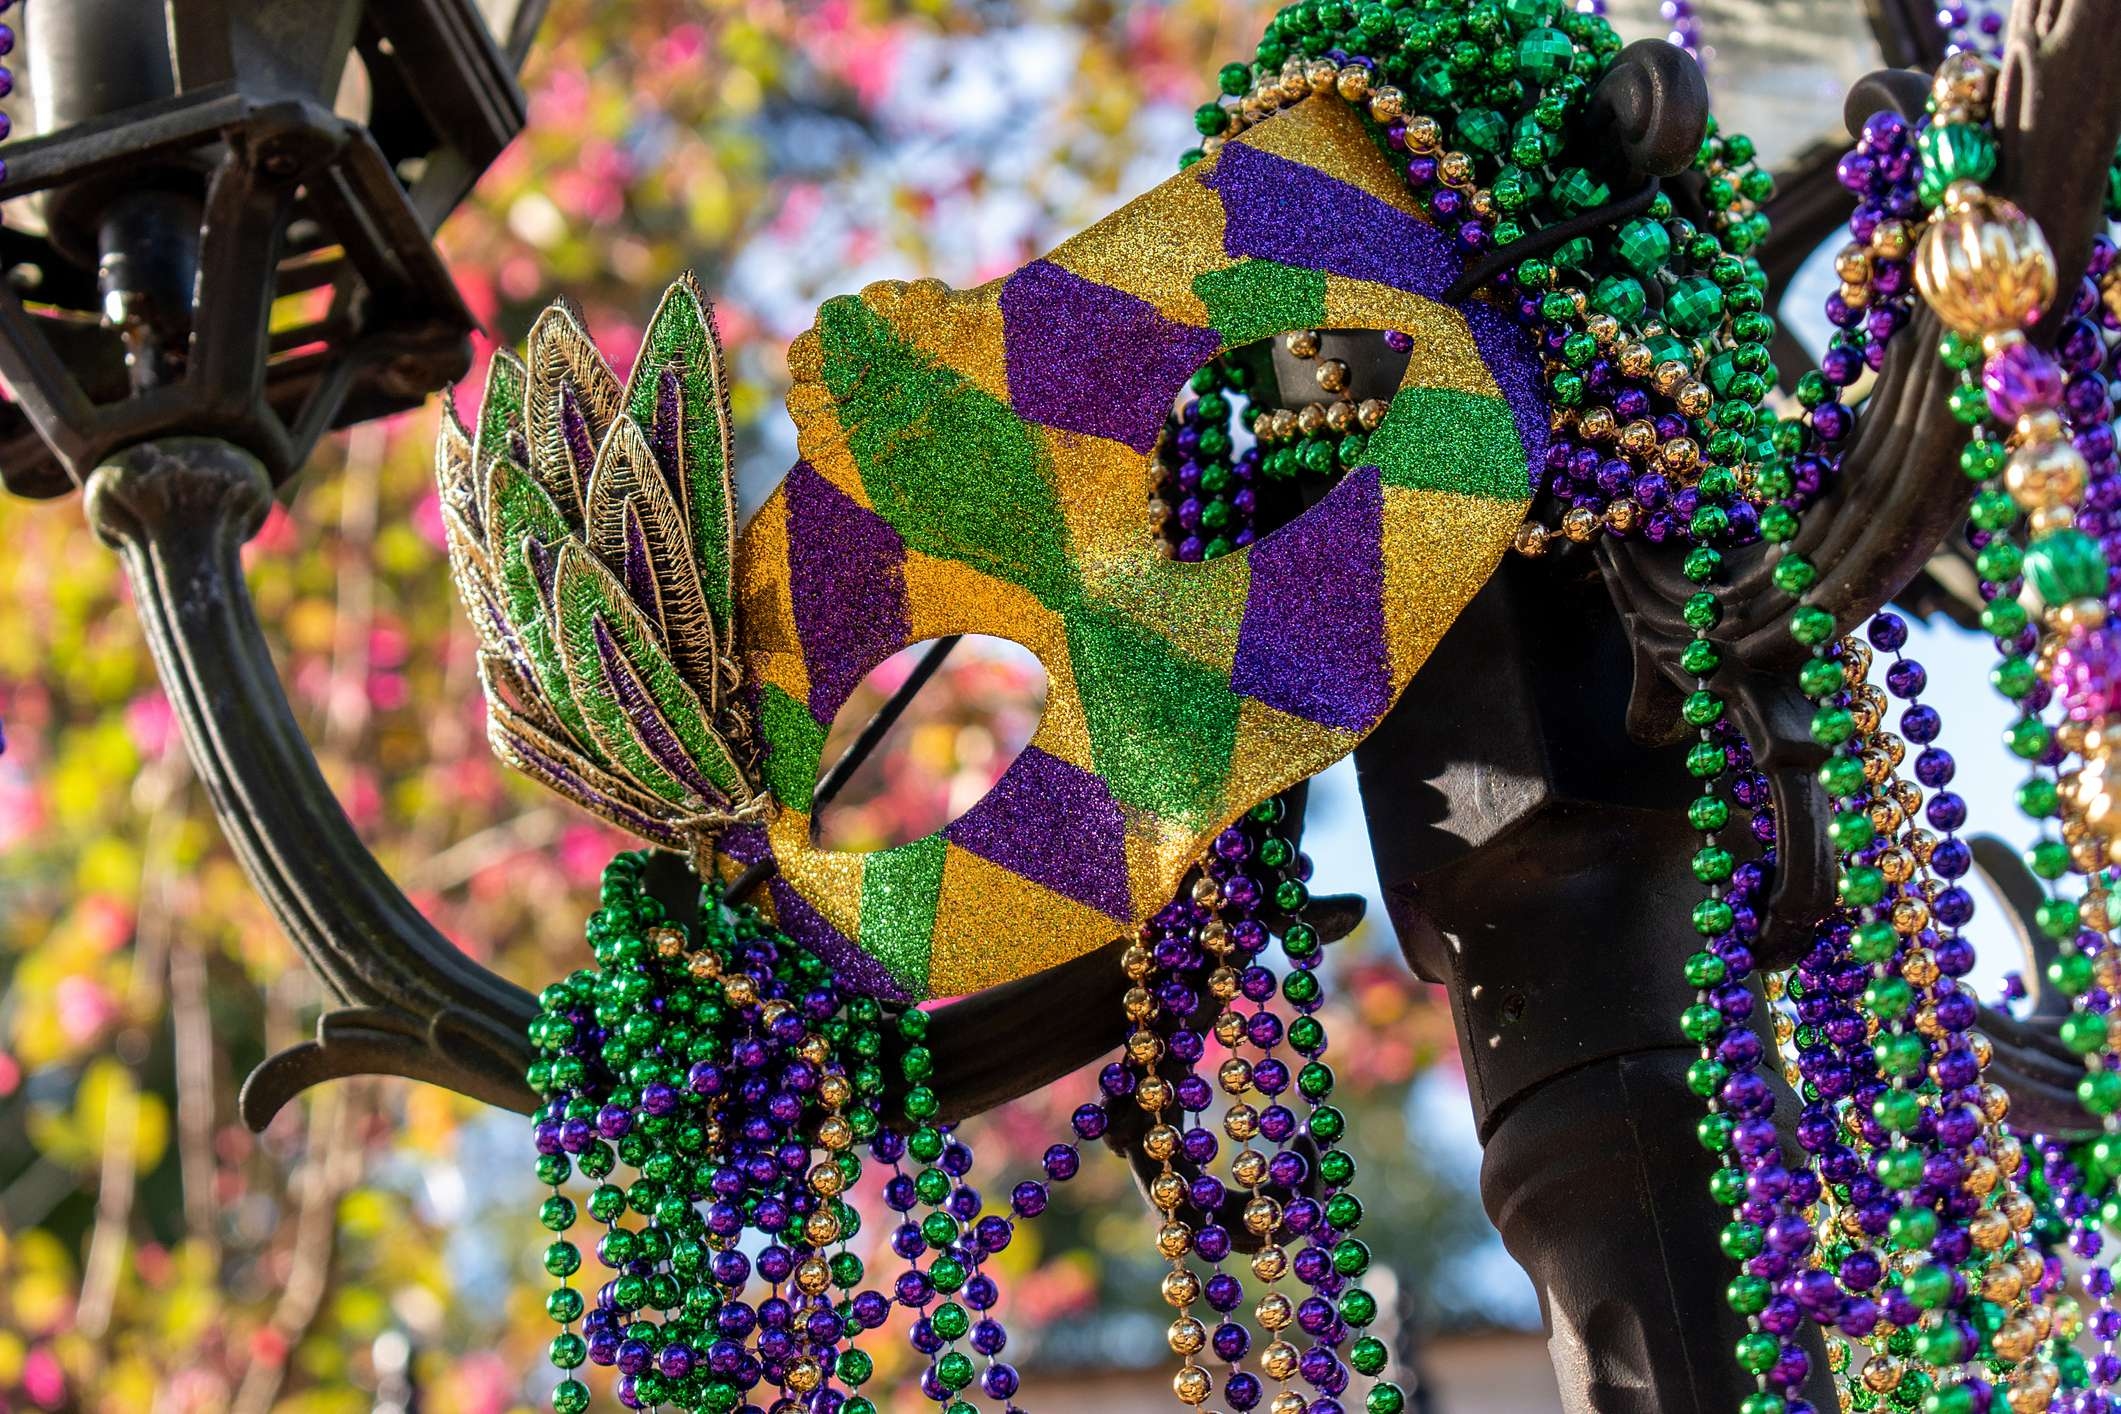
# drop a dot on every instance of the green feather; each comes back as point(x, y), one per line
point(665, 724)
point(695, 452)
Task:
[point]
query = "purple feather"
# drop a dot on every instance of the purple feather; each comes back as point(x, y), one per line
point(646, 826)
point(517, 654)
point(543, 566)
point(664, 436)
point(574, 430)
point(640, 571)
point(649, 724)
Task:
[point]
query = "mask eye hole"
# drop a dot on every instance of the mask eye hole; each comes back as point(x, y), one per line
point(953, 740)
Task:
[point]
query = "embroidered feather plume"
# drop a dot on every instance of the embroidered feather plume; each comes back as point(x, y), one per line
point(591, 532)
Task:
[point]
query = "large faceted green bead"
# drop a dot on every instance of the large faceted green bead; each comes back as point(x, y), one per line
point(1643, 245)
point(1695, 305)
point(1545, 55)
point(2064, 565)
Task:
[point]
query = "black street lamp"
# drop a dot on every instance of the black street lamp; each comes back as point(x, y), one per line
point(220, 246)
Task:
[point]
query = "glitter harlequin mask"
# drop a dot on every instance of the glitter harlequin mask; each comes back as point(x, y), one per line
point(979, 462)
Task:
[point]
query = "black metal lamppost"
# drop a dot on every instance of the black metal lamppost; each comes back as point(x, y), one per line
point(193, 168)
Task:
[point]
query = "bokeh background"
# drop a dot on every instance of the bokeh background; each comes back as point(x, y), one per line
point(375, 1249)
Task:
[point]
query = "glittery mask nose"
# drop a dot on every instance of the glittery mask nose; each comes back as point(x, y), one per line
point(980, 462)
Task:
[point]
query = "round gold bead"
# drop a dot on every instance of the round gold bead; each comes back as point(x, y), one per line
point(812, 1275)
point(1670, 376)
point(2002, 1283)
point(1639, 438)
point(1853, 263)
point(1354, 83)
point(1153, 1093)
point(1234, 1075)
point(1621, 515)
point(1322, 74)
point(1332, 374)
point(834, 1133)
point(1455, 169)
point(1597, 423)
point(1137, 962)
point(1223, 983)
point(826, 1179)
point(1881, 1373)
point(1387, 103)
point(2005, 1149)
point(1311, 420)
point(1145, 1047)
point(1989, 1230)
point(1241, 1122)
point(1424, 133)
point(704, 966)
point(1636, 360)
point(1370, 412)
point(805, 1375)
point(1985, 267)
point(1892, 240)
point(739, 991)
point(1694, 399)
point(2014, 1339)
point(1174, 1240)
point(1340, 416)
point(1230, 1028)
point(1167, 1191)
point(1192, 1385)
point(1278, 1360)
point(1207, 892)
point(1602, 327)
point(1262, 1215)
point(668, 942)
point(2017, 1209)
point(1161, 1142)
point(1274, 1311)
point(2043, 474)
point(1249, 1168)
point(834, 1092)
point(822, 1227)
point(1963, 78)
point(1186, 1336)
point(1270, 1264)
point(1580, 524)
point(1920, 964)
point(1138, 1003)
point(1530, 540)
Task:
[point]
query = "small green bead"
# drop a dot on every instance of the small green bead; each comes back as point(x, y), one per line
point(1811, 626)
point(2100, 1092)
point(2070, 973)
point(1888, 997)
point(563, 1259)
point(1344, 1211)
point(557, 1213)
point(1821, 677)
point(1705, 1077)
point(1705, 760)
point(1727, 1185)
point(950, 1321)
point(2013, 677)
point(2028, 738)
point(1899, 1169)
point(1911, 1228)
point(1874, 942)
point(2048, 859)
point(1358, 1308)
point(1234, 79)
point(1832, 726)
point(1794, 574)
point(1900, 1055)
point(1327, 1124)
point(1929, 1285)
point(568, 1350)
point(1694, 305)
point(1778, 524)
point(570, 1397)
point(1851, 831)
point(1757, 1351)
point(1712, 916)
point(1701, 1023)
point(1700, 657)
point(1385, 1398)
point(2003, 617)
point(2084, 1032)
point(564, 1304)
point(1897, 1110)
point(1712, 865)
point(1368, 1356)
point(1351, 1257)
point(1862, 886)
point(854, 1367)
point(2036, 798)
point(1968, 404)
point(1701, 707)
point(1741, 1240)
point(1993, 510)
point(1748, 1295)
point(1336, 1167)
point(1708, 813)
point(1713, 1132)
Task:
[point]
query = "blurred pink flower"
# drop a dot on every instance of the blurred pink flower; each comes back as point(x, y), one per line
point(10, 1074)
point(42, 1379)
point(584, 851)
point(22, 814)
point(106, 921)
point(427, 520)
point(85, 1008)
point(152, 722)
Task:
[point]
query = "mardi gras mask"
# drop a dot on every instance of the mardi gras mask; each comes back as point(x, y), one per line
point(979, 462)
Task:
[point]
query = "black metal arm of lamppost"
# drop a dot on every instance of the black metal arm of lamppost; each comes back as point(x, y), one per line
point(190, 176)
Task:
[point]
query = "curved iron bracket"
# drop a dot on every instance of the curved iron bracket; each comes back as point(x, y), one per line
point(178, 511)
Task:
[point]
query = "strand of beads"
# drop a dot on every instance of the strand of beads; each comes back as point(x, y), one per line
point(1205, 504)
